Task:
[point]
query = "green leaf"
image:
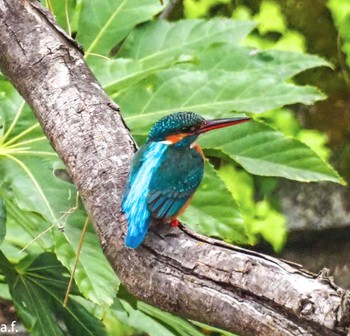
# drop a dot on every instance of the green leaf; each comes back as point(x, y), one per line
point(317, 141)
point(126, 313)
point(66, 13)
point(11, 104)
point(275, 63)
point(270, 224)
point(160, 40)
point(4, 292)
point(148, 319)
point(161, 44)
point(79, 321)
point(213, 211)
point(213, 94)
point(220, 77)
point(94, 276)
point(37, 286)
point(215, 331)
point(23, 227)
point(28, 165)
point(115, 327)
point(259, 217)
point(269, 10)
point(28, 162)
point(241, 186)
point(104, 24)
point(200, 8)
point(340, 10)
point(181, 326)
point(117, 74)
point(262, 150)
point(2, 219)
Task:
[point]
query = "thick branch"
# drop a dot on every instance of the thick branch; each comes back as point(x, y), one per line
point(194, 277)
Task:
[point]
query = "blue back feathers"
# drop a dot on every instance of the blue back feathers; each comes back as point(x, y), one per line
point(174, 182)
point(135, 200)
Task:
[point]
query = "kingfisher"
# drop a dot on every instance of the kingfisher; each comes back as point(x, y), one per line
point(166, 171)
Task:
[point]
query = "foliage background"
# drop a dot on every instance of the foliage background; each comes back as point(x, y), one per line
point(224, 58)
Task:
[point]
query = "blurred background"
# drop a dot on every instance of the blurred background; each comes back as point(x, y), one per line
point(317, 214)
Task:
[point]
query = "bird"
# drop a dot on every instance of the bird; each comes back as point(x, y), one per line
point(166, 171)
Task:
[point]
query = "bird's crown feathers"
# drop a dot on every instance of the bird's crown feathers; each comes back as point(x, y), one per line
point(179, 122)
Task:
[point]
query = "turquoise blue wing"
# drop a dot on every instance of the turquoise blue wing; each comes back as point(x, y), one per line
point(136, 163)
point(174, 182)
point(134, 204)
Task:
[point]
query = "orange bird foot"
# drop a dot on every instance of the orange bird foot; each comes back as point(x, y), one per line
point(174, 222)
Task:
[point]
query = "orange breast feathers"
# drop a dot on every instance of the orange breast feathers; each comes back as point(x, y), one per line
point(198, 149)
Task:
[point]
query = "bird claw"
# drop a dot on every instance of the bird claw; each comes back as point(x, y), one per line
point(174, 223)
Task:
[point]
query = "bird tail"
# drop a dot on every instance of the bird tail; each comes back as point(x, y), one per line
point(134, 203)
point(137, 230)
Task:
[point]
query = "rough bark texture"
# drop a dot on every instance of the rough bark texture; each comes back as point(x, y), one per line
point(195, 277)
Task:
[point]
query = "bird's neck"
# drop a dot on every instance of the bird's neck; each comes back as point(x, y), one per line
point(198, 149)
point(182, 146)
point(185, 142)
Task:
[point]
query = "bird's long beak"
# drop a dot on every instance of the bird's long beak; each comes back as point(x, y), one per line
point(220, 123)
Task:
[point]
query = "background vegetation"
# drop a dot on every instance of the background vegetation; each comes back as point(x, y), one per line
point(223, 58)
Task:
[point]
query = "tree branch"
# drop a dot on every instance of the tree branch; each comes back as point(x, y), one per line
point(179, 271)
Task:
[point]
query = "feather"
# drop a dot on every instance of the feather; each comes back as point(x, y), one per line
point(135, 199)
point(174, 181)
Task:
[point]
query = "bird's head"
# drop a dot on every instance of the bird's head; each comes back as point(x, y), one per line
point(181, 129)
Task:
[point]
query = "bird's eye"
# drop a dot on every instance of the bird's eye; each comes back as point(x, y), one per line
point(187, 129)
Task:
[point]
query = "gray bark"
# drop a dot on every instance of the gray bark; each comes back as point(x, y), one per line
point(176, 270)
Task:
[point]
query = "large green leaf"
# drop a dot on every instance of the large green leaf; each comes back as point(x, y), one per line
point(37, 286)
point(161, 44)
point(28, 165)
point(221, 76)
point(11, 107)
point(66, 13)
point(94, 276)
point(22, 228)
point(161, 40)
point(214, 94)
point(213, 211)
point(261, 150)
point(258, 63)
point(105, 23)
